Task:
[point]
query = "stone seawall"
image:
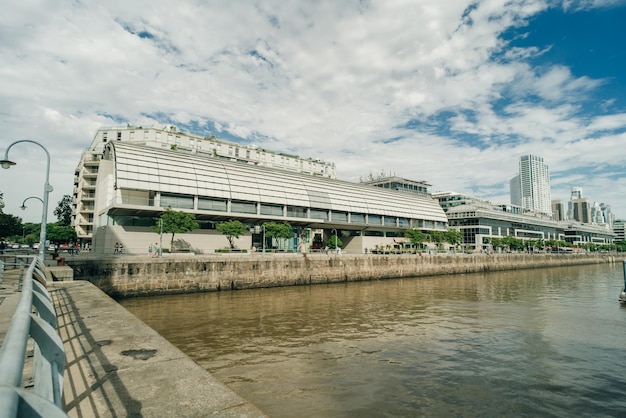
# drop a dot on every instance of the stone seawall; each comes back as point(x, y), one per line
point(128, 276)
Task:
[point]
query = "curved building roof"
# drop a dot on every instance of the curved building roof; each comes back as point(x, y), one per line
point(146, 168)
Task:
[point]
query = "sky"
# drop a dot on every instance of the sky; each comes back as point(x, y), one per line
point(449, 92)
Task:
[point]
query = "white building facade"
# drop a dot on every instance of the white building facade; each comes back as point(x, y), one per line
point(137, 183)
point(169, 137)
point(530, 189)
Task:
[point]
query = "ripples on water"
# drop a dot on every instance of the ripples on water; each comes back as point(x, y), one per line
point(546, 342)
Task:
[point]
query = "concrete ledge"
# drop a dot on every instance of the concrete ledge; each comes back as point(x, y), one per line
point(61, 273)
point(117, 366)
point(142, 276)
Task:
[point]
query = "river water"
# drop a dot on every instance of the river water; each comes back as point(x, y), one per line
point(548, 342)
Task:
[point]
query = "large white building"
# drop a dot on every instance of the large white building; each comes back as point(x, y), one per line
point(169, 137)
point(530, 189)
point(136, 183)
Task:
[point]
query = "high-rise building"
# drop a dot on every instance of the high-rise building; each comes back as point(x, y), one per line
point(515, 186)
point(607, 214)
point(577, 193)
point(530, 189)
point(580, 210)
point(618, 230)
point(558, 210)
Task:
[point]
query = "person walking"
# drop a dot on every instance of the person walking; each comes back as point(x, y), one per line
point(155, 250)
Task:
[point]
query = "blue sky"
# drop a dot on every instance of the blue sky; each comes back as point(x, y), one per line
point(452, 92)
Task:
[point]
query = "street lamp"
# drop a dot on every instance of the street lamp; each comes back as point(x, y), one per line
point(336, 247)
point(47, 188)
point(23, 207)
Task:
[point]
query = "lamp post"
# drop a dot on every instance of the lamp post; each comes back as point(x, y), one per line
point(47, 188)
point(335, 239)
point(161, 239)
point(23, 207)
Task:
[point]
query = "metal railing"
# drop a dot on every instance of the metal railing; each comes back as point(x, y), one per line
point(45, 399)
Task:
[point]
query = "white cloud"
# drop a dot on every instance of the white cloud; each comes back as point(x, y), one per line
point(334, 80)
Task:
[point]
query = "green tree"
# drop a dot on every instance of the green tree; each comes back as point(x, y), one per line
point(60, 233)
point(10, 226)
point(416, 236)
point(31, 233)
point(63, 211)
point(175, 222)
point(334, 242)
point(232, 229)
point(1, 202)
point(280, 230)
point(453, 237)
point(436, 237)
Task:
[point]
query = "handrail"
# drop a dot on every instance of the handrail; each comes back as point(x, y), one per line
point(49, 356)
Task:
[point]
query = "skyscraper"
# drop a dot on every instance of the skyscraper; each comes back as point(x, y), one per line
point(530, 189)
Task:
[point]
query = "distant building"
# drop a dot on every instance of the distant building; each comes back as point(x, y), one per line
point(618, 230)
point(481, 221)
point(449, 200)
point(401, 185)
point(576, 193)
point(607, 215)
point(515, 187)
point(530, 189)
point(580, 210)
point(558, 210)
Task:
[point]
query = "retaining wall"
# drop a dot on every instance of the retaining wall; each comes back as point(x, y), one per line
point(127, 276)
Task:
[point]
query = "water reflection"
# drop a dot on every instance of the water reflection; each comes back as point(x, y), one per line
point(519, 343)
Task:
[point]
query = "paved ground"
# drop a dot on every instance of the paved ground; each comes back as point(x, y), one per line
point(119, 367)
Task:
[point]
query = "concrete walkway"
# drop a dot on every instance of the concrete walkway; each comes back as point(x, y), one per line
point(119, 367)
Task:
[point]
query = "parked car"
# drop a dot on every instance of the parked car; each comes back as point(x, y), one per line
point(52, 247)
point(15, 246)
point(36, 246)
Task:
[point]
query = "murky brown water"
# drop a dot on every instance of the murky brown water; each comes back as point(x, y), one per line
point(548, 342)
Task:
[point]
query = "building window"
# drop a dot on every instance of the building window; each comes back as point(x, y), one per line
point(374, 220)
point(271, 210)
point(104, 136)
point(218, 205)
point(296, 212)
point(119, 136)
point(390, 221)
point(357, 218)
point(242, 207)
point(176, 201)
point(319, 214)
point(339, 216)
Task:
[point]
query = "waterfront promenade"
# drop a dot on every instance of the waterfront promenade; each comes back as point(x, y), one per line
point(116, 366)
